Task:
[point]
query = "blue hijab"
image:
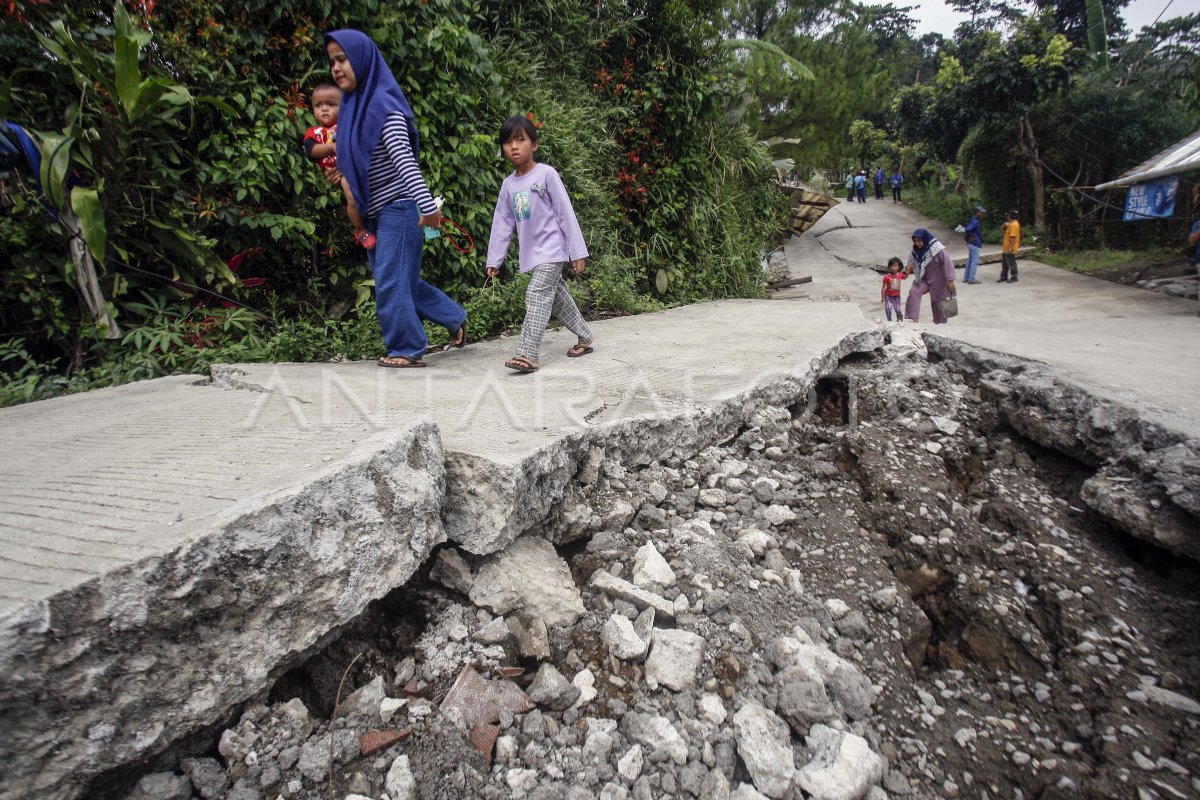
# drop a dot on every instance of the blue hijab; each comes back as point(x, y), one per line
point(363, 111)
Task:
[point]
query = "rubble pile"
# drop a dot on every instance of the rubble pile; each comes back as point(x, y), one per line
point(884, 592)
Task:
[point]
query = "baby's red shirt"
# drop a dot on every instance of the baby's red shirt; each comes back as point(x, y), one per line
point(319, 134)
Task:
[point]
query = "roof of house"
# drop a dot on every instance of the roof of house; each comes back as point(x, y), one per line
point(1183, 156)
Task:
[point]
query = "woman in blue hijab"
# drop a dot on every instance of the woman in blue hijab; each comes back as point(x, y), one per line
point(377, 146)
point(933, 274)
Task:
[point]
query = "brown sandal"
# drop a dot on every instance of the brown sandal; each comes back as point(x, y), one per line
point(522, 364)
point(580, 349)
point(400, 362)
point(460, 336)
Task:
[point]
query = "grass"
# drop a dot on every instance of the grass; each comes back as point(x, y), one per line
point(1094, 260)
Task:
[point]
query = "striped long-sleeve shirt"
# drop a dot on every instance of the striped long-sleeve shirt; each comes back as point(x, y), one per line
point(394, 174)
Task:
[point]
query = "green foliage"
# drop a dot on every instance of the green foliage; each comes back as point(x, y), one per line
point(179, 127)
point(1094, 260)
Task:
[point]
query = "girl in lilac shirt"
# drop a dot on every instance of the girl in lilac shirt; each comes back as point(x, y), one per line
point(534, 203)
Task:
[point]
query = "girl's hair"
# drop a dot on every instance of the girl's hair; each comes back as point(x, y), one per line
point(321, 86)
point(513, 124)
point(896, 261)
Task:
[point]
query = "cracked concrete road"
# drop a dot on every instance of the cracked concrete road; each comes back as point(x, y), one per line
point(1133, 346)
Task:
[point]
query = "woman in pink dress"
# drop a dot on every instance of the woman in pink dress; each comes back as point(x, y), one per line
point(932, 271)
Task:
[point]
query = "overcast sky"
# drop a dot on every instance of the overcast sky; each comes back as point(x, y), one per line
point(935, 15)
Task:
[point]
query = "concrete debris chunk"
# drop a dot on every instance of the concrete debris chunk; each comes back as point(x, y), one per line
point(162, 786)
point(650, 569)
point(399, 783)
point(529, 576)
point(552, 690)
point(623, 640)
point(533, 640)
point(657, 734)
point(764, 743)
point(493, 632)
point(624, 590)
point(945, 425)
point(452, 571)
point(843, 766)
point(209, 778)
point(779, 515)
point(745, 791)
point(674, 659)
point(802, 700)
point(630, 765)
point(585, 682)
point(364, 701)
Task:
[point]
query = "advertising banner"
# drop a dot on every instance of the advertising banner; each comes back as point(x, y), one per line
point(1151, 200)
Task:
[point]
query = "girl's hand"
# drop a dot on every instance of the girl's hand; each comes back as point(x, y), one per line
point(433, 220)
point(493, 272)
point(577, 266)
point(334, 176)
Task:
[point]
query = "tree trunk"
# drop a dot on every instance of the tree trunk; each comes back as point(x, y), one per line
point(85, 275)
point(1034, 164)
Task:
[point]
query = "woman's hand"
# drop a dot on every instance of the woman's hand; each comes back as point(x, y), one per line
point(433, 220)
point(334, 176)
point(950, 286)
point(577, 266)
point(493, 272)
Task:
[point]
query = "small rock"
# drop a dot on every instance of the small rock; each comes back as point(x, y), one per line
point(843, 766)
point(712, 709)
point(651, 569)
point(630, 765)
point(162, 786)
point(585, 682)
point(209, 778)
point(533, 639)
point(452, 571)
point(529, 576)
point(550, 689)
point(675, 659)
point(656, 733)
point(713, 498)
point(623, 640)
point(837, 608)
point(399, 783)
point(364, 701)
point(779, 515)
point(764, 743)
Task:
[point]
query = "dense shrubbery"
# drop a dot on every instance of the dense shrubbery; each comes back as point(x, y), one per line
point(206, 169)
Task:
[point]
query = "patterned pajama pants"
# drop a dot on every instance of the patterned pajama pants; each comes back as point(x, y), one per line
point(547, 294)
point(892, 304)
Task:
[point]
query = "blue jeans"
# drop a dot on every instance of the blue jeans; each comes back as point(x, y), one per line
point(972, 262)
point(402, 299)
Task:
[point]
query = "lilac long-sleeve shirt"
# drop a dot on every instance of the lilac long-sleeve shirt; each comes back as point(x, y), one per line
point(536, 206)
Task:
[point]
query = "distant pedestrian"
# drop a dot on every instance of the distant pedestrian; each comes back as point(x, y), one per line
point(897, 184)
point(1008, 250)
point(860, 185)
point(933, 274)
point(974, 236)
point(1194, 242)
point(850, 186)
point(534, 203)
point(879, 179)
point(889, 293)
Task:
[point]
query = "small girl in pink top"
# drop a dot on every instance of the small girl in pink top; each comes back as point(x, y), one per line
point(534, 203)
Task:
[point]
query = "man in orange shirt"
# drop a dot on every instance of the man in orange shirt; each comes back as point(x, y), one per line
point(1008, 251)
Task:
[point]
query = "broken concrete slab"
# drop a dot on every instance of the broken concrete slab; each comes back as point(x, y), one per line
point(161, 486)
point(519, 446)
point(207, 557)
point(1147, 478)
